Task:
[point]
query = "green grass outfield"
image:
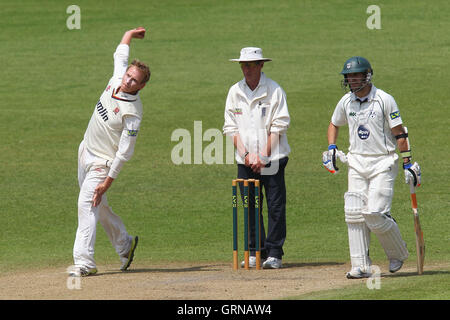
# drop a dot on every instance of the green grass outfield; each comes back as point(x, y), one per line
point(52, 78)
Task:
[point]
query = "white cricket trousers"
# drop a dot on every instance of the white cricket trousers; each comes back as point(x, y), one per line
point(92, 171)
point(374, 176)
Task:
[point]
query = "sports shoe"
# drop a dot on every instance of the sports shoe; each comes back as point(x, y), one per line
point(356, 273)
point(251, 262)
point(395, 265)
point(272, 263)
point(82, 272)
point(128, 258)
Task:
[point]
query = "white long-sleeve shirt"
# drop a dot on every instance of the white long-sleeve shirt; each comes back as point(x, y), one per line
point(254, 114)
point(113, 128)
point(369, 122)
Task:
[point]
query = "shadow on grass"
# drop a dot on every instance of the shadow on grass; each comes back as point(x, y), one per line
point(210, 267)
point(163, 270)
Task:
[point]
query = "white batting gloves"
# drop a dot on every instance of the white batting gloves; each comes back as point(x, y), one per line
point(412, 174)
point(329, 158)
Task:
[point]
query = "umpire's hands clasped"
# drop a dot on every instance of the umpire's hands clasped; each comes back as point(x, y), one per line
point(253, 161)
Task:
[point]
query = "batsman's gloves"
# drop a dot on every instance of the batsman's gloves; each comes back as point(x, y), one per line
point(329, 158)
point(412, 173)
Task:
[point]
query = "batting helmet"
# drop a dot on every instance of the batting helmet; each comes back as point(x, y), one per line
point(356, 65)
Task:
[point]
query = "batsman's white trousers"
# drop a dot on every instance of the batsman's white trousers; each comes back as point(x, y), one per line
point(91, 172)
point(374, 176)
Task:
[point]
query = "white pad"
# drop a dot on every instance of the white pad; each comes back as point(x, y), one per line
point(388, 234)
point(355, 203)
point(358, 232)
point(359, 242)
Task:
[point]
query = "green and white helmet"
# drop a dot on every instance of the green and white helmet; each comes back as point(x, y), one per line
point(356, 65)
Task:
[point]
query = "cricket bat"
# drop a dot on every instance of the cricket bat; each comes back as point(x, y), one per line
point(420, 243)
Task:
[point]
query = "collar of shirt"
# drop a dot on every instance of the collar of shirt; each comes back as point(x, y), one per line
point(122, 96)
point(369, 97)
point(257, 93)
point(262, 82)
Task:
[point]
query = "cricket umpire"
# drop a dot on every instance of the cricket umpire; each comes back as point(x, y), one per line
point(257, 119)
point(375, 132)
point(108, 143)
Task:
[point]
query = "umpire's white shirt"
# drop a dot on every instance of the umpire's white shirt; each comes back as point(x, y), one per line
point(114, 125)
point(370, 122)
point(255, 114)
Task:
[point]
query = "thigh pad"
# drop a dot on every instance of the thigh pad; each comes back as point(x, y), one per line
point(355, 205)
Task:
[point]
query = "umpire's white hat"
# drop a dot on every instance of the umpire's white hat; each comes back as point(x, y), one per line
point(251, 54)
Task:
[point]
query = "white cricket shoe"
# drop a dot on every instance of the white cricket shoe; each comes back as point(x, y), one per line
point(356, 273)
point(251, 262)
point(272, 263)
point(81, 271)
point(395, 265)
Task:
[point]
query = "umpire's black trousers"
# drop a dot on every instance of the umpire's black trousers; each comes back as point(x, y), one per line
point(275, 190)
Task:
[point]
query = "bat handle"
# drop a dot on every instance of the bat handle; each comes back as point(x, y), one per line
point(413, 196)
point(412, 189)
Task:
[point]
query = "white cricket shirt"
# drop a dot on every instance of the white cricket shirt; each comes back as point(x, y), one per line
point(114, 125)
point(255, 114)
point(369, 122)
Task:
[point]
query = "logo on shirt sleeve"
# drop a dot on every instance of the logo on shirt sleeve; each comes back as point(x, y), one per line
point(132, 133)
point(395, 115)
point(237, 111)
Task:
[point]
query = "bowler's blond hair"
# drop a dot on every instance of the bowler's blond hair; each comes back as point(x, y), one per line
point(143, 68)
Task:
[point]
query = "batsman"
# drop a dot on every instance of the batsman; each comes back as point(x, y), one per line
point(375, 132)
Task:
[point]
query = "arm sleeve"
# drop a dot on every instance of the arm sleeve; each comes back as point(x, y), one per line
point(393, 113)
point(121, 60)
point(126, 145)
point(339, 117)
point(230, 127)
point(281, 118)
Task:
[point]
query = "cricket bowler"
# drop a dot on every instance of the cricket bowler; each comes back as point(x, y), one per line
point(108, 143)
